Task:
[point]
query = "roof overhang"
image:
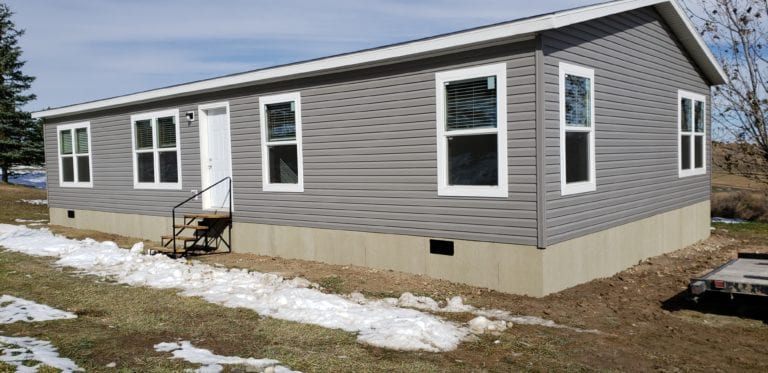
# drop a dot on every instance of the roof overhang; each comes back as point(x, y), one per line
point(670, 10)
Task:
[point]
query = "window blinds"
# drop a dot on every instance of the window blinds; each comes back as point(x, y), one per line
point(471, 103)
point(281, 121)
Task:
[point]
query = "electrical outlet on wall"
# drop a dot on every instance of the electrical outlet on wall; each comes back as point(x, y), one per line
point(194, 191)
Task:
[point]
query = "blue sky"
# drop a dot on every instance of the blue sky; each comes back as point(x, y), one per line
point(82, 50)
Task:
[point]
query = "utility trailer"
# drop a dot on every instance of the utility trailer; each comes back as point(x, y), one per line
point(747, 274)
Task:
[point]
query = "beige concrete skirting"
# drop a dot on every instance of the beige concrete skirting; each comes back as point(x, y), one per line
point(130, 225)
point(509, 268)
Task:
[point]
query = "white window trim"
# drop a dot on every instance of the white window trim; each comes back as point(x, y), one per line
point(443, 188)
point(266, 185)
point(72, 127)
point(152, 116)
point(591, 184)
point(692, 171)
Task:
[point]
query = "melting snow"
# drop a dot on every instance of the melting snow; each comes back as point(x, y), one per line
point(34, 201)
point(21, 351)
point(14, 309)
point(456, 304)
point(212, 362)
point(718, 219)
point(268, 294)
point(394, 323)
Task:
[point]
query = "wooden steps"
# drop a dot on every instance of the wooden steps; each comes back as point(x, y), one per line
point(195, 227)
point(206, 216)
point(179, 238)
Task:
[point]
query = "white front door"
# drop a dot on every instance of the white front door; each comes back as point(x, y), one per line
point(216, 155)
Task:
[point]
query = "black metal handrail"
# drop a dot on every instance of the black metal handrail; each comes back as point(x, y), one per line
point(229, 195)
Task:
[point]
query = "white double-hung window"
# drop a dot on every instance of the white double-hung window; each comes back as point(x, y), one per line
point(577, 129)
point(472, 131)
point(75, 155)
point(156, 155)
point(691, 134)
point(282, 162)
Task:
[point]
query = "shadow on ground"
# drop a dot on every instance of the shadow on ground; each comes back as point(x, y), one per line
point(742, 306)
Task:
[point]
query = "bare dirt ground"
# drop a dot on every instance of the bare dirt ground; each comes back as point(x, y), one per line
point(644, 314)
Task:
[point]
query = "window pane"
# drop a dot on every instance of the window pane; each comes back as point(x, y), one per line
point(66, 142)
point(81, 136)
point(143, 134)
point(166, 132)
point(146, 165)
point(67, 169)
point(281, 121)
point(576, 157)
point(283, 164)
point(83, 169)
point(578, 97)
point(685, 113)
point(473, 160)
point(471, 103)
point(699, 116)
point(169, 168)
point(698, 152)
point(685, 152)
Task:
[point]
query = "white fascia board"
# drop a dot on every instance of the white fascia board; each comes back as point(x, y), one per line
point(480, 35)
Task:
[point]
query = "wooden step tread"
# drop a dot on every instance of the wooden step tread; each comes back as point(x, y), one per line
point(207, 216)
point(167, 250)
point(178, 238)
point(190, 226)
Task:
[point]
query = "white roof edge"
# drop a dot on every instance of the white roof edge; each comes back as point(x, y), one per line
point(484, 34)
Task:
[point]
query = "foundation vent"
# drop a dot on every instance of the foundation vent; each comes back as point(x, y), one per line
point(71, 214)
point(441, 247)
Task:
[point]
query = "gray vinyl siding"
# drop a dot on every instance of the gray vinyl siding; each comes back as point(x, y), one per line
point(639, 67)
point(370, 158)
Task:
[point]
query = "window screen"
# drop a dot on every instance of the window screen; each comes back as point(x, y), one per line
point(283, 164)
point(577, 156)
point(68, 169)
point(471, 103)
point(146, 167)
point(473, 160)
point(169, 170)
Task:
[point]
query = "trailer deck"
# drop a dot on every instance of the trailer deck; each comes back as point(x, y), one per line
point(747, 274)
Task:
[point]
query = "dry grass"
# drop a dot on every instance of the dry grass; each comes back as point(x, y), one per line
point(742, 204)
point(11, 207)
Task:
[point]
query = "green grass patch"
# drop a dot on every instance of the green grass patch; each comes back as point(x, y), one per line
point(754, 228)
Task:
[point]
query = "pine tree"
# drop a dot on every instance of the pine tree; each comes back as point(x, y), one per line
point(21, 139)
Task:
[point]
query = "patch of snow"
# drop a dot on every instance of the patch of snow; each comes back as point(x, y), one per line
point(718, 219)
point(456, 304)
point(17, 351)
point(212, 362)
point(14, 309)
point(527, 320)
point(481, 325)
point(376, 323)
point(36, 202)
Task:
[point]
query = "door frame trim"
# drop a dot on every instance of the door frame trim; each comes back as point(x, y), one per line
point(202, 116)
